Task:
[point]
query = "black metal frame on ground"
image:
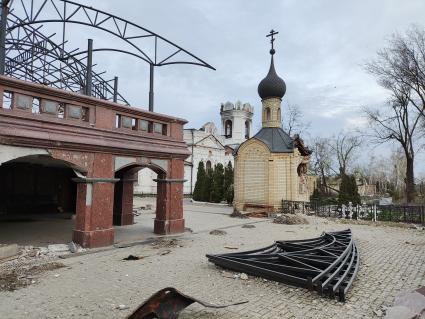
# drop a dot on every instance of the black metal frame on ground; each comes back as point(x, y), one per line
point(327, 264)
point(27, 53)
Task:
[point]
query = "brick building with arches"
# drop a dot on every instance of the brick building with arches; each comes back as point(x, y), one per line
point(65, 152)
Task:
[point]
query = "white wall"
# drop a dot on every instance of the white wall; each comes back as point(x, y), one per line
point(145, 183)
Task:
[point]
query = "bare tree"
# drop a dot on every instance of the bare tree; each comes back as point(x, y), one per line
point(322, 161)
point(400, 68)
point(293, 120)
point(344, 147)
point(386, 173)
point(398, 124)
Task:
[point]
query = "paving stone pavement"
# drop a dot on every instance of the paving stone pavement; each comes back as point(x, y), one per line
point(92, 286)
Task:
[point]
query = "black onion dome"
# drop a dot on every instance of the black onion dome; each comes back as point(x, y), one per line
point(272, 85)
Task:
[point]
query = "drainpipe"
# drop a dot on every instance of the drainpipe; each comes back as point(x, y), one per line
point(191, 168)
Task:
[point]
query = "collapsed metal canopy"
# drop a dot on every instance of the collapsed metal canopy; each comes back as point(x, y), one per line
point(26, 52)
point(327, 264)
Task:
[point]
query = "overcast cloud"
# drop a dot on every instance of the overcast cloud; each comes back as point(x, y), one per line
point(321, 48)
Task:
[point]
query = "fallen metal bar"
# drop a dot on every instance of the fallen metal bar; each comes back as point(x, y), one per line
point(167, 303)
point(327, 264)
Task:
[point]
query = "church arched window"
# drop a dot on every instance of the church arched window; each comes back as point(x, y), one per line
point(208, 166)
point(278, 114)
point(268, 114)
point(228, 128)
point(247, 129)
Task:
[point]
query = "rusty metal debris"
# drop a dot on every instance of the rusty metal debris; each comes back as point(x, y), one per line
point(168, 303)
point(327, 264)
point(132, 257)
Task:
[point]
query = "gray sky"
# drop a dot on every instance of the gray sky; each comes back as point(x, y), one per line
point(321, 48)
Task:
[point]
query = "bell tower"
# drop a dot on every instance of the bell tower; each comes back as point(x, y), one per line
point(236, 122)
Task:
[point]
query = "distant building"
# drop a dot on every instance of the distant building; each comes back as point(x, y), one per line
point(271, 166)
point(208, 145)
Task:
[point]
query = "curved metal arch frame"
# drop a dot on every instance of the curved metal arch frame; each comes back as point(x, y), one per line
point(74, 80)
point(98, 19)
point(120, 33)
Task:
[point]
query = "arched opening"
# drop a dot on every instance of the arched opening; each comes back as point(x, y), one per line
point(228, 125)
point(208, 166)
point(135, 201)
point(37, 200)
point(279, 115)
point(268, 114)
point(247, 129)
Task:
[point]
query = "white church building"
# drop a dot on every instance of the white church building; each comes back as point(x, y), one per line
point(208, 145)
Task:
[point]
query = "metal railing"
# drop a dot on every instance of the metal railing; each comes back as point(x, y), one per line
point(393, 213)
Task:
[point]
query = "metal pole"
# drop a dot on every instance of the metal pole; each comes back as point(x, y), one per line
point(4, 13)
point(151, 66)
point(115, 89)
point(89, 67)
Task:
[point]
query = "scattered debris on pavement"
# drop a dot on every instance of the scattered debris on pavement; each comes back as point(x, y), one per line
point(122, 307)
point(166, 243)
point(8, 251)
point(408, 305)
point(231, 247)
point(132, 257)
point(218, 232)
point(248, 226)
point(290, 219)
point(243, 276)
point(258, 214)
point(238, 214)
point(17, 276)
point(168, 303)
point(327, 264)
point(165, 252)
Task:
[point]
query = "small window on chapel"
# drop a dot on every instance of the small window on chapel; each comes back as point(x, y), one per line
point(247, 129)
point(268, 114)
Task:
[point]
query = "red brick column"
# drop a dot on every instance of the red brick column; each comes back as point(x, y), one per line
point(95, 201)
point(93, 223)
point(123, 202)
point(169, 201)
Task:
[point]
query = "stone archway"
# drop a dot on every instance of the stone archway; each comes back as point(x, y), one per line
point(38, 198)
point(169, 202)
point(124, 191)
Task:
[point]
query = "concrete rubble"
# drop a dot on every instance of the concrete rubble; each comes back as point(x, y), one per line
point(408, 305)
point(7, 251)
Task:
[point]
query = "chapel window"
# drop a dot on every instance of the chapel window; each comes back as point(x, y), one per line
point(268, 114)
point(247, 129)
point(208, 166)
